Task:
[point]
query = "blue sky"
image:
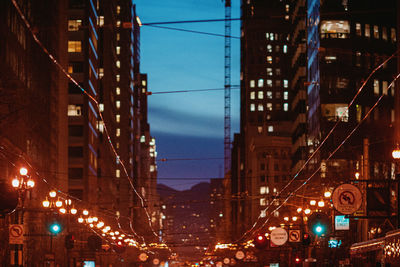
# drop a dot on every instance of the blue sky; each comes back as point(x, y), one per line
point(188, 125)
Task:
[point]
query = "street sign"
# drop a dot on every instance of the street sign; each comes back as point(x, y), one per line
point(342, 223)
point(16, 233)
point(347, 198)
point(294, 235)
point(143, 256)
point(239, 255)
point(279, 236)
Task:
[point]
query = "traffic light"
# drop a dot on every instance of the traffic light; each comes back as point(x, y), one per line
point(69, 241)
point(297, 261)
point(260, 241)
point(306, 239)
point(319, 224)
point(55, 228)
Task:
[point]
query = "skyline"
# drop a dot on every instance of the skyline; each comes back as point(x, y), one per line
point(188, 125)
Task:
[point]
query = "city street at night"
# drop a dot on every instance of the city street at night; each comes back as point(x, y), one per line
point(212, 133)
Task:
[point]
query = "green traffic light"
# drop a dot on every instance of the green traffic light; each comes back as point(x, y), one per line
point(319, 229)
point(55, 228)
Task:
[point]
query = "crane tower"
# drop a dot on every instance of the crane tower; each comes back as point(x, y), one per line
point(227, 90)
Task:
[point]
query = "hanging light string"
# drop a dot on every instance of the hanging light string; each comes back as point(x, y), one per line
point(64, 195)
point(320, 145)
point(28, 26)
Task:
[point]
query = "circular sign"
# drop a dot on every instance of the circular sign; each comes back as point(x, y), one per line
point(347, 198)
point(227, 260)
point(279, 236)
point(143, 257)
point(156, 261)
point(239, 255)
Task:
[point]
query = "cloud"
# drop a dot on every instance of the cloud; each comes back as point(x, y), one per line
point(172, 121)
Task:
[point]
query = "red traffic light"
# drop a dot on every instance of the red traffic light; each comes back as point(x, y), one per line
point(297, 260)
point(260, 241)
point(69, 241)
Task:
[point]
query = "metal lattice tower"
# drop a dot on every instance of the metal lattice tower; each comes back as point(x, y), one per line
point(227, 117)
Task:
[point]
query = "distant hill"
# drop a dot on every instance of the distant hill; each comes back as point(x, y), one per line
point(165, 191)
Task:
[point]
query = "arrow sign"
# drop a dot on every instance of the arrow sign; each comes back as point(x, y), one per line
point(16, 233)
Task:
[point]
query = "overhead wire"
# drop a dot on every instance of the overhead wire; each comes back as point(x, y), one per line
point(191, 91)
point(193, 31)
point(65, 72)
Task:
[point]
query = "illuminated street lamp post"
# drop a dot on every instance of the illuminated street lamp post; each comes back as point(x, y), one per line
point(22, 183)
point(396, 157)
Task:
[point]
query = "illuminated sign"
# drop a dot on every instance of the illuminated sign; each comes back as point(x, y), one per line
point(342, 223)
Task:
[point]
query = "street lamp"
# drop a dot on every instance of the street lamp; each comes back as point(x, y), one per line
point(22, 183)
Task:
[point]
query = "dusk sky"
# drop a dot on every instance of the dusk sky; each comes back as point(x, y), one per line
point(188, 126)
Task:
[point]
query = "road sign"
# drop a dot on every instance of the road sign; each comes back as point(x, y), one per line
point(342, 223)
point(294, 236)
point(16, 233)
point(347, 198)
point(279, 236)
point(143, 256)
point(239, 255)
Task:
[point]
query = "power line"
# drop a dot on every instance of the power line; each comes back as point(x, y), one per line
point(193, 31)
point(190, 91)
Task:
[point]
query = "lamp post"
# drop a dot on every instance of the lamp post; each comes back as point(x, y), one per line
point(396, 157)
point(22, 183)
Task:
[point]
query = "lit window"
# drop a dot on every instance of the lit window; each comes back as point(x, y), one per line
point(269, 48)
point(118, 50)
point(118, 104)
point(335, 29)
point(269, 94)
point(117, 77)
point(252, 107)
point(117, 173)
point(252, 95)
point(152, 168)
point(269, 72)
point(118, 132)
point(285, 95)
point(260, 95)
point(269, 83)
point(285, 49)
point(117, 118)
point(393, 34)
point(142, 139)
point(118, 36)
point(376, 32)
point(74, 25)
point(376, 87)
point(74, 110)
point(269, 106)
point(285, 83)
point(118, 23)
point(263, 190)
point(287, 8)
point(384, 33)
point(271, 36)
point(286, 107)
point(252, 84)
point(101, 73)
point(358, 29)
point(269, 59)
point(260, 82)
point(100, 126)
point(101, 107)
point(270, 128)
point(263, 214)
point(100, 21)
point(118, 9)
point(367, 31)
point(143, 82)
point(260, 107)
point(117, 91)
point(70, 69)
point(385, 87)
point(262, 202)
point(286, 17)
point(118, 64)
point(74, 46)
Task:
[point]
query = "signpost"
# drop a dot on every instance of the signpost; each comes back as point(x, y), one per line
point(294, 236)
point(347, 198)
point(16, 234)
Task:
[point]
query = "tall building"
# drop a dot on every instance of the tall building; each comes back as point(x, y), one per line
point(262, 150)
point(33, 112)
